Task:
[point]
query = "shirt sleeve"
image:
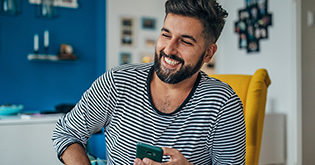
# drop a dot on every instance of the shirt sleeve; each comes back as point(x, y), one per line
point(89, 115)
point(229, 137)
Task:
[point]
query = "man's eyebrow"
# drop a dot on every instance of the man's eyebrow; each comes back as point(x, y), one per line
point(184, 35)
point(164, 29)
point(190, 37)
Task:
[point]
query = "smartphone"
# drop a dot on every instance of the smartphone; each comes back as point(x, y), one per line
point(149, 151)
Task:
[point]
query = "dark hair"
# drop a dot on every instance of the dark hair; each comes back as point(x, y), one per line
point(209, 12)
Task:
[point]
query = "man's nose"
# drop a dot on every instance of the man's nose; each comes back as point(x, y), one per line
point(171, 47)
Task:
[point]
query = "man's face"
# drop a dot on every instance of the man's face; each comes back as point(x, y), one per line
point(180, 49)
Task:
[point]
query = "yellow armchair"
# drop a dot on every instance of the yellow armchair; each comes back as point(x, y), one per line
point(252, 90)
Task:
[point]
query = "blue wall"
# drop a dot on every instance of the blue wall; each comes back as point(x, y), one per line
point(42, 85)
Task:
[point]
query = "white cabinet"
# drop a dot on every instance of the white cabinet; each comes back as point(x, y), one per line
point(27, 141)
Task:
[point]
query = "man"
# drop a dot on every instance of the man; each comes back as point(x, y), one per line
point(170, 104)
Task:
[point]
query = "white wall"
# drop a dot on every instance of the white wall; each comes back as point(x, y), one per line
point(277, 54)
point(135, 9)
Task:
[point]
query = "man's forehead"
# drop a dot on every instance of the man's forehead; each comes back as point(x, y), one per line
point(183, 24)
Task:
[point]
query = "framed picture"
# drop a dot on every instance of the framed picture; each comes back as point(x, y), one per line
point(250, 2)
point(242, 41)
point(126, 22)
point(252, 25)
point(60, 3)
point(251, 32)
point(253, 46)
point(126, 31)
point(240, 26)
point(262, 6)
point(148, 23)
point(266, 20)
point(254, 13)
point(244, 14)
point(261, 33)
point(125, 58)
point(150, 43)
point(126, 40)
point(68, 3)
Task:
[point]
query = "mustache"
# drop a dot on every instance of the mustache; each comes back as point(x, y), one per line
point(174, 57)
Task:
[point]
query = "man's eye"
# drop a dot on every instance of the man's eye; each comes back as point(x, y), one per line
point(165, 35)
point(186, 42)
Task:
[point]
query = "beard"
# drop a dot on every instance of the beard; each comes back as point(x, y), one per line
point(171, 76)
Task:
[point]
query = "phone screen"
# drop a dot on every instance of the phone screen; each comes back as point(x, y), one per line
point(149, 151)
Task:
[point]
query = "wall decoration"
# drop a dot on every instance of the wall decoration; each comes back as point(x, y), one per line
point(127, 31)
point(11, 7)
point(124, 58)
point(253, 24)
point(68, 3)
point(46, 10)
point(60, 3)
point(147, 57)
point(149, 43)
point(148, 23)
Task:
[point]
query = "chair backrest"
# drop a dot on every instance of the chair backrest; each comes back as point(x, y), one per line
point(252, 90)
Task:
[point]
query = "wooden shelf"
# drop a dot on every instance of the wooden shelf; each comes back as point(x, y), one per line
point(48, 57)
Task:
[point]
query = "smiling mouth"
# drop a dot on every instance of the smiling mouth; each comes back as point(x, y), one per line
point(171, 61)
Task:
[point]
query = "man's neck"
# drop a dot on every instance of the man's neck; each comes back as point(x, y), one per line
point(168, 97)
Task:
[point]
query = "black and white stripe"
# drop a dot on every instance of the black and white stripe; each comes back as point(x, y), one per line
point(208, 128)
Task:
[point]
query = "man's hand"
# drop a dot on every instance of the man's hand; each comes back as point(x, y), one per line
point(176, 158)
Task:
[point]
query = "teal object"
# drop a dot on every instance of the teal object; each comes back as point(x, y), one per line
point(10, 109)
point(96, 161)
point(148, 151)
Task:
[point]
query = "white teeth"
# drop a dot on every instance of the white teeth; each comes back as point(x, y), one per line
point(171, 62)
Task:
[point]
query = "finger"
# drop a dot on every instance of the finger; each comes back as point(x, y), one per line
point(137, 161)
point(166, 150)
point(169, 151)
point(147, 161)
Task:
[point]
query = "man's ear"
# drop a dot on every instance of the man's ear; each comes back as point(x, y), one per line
point(211, 49)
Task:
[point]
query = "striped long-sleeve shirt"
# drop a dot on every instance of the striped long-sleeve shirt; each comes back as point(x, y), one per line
point(208, 128)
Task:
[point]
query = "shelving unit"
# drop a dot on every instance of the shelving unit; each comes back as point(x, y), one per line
point(47, 57)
